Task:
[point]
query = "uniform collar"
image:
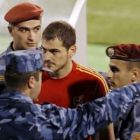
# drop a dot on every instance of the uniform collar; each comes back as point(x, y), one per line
point(10, 48)
point(15, 95)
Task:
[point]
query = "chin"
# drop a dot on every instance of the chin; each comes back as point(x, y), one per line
point(34, 100)
point(49, 67)
point(111, 87)
point(31, 48)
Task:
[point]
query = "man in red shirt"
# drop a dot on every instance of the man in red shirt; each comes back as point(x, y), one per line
point(71, 84)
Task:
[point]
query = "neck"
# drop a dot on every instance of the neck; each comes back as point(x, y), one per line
point(13, 47)
point(25, 91)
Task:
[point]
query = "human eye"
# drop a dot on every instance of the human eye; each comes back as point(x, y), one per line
point(23, 30)
point(54, 51)
point(43, 50)
point(36, 29)
point(114, 69)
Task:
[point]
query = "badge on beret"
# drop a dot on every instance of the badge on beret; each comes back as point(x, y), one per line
point(125, 52)
point(111, 52)
point(1, 78)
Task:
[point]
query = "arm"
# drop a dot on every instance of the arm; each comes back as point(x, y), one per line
point(88, 118)
point(106, 133)
point(2, 85)
point(2, 71)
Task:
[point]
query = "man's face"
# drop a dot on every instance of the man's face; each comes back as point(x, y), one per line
point(26, 35)
point(118, 75)
point(37, 87)
point(56, 57)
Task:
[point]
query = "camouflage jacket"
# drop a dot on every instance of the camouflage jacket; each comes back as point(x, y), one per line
point(21, 119)
point(130, 127)
point(3, 67)
point(2, 59)
point(2, 64)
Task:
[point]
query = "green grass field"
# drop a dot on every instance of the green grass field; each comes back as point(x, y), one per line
point(113, 21)
point(97, 58)
point(110, 22)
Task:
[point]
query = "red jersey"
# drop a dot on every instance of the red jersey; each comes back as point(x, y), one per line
point(82, 84)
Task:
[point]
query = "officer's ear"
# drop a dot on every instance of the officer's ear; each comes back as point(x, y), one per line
point(10, 29)
point(72, 50)
point(135, 75)
point(31, 82)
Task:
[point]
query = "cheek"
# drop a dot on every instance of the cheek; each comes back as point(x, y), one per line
point(44, 56)
point(65, 56)
point(38, 89)
point(118, 76)
point(20, 38)
point(40, 81)
point(58, 58)
point(38, 36)
point(62, 59)
point(122, 79)
point(40, 85)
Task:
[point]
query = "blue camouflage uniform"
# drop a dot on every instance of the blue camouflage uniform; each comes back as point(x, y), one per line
point(125, 128)
point(2, 64)
point(2, 58)
point(131, 125)
point(21, 119)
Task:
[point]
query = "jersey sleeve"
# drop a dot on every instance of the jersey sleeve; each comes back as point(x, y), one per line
point(100, 88)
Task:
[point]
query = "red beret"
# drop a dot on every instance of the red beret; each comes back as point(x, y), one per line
point(23, 12)
point(126, 52)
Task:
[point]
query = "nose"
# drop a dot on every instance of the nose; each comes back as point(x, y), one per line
point(31, 35)
point(46, 56)
point(109, 74)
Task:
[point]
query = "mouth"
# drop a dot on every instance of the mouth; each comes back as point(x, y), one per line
point(111, 84)
point(48, 64)
point(31, 44)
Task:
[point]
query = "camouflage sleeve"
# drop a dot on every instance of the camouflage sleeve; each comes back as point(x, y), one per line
point(2, 86)
point(88, 118)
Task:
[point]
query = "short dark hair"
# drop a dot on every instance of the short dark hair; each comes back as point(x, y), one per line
point(61, 30)
point(15, 80)
point(131, 65)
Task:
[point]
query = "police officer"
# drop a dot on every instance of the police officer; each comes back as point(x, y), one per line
point(21, 119)
point(24, 27)
point(125, 69)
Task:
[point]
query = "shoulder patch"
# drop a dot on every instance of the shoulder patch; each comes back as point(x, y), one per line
point(1, 78)
point(136, 136)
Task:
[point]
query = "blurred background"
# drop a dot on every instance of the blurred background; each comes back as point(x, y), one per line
point(108, 22)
